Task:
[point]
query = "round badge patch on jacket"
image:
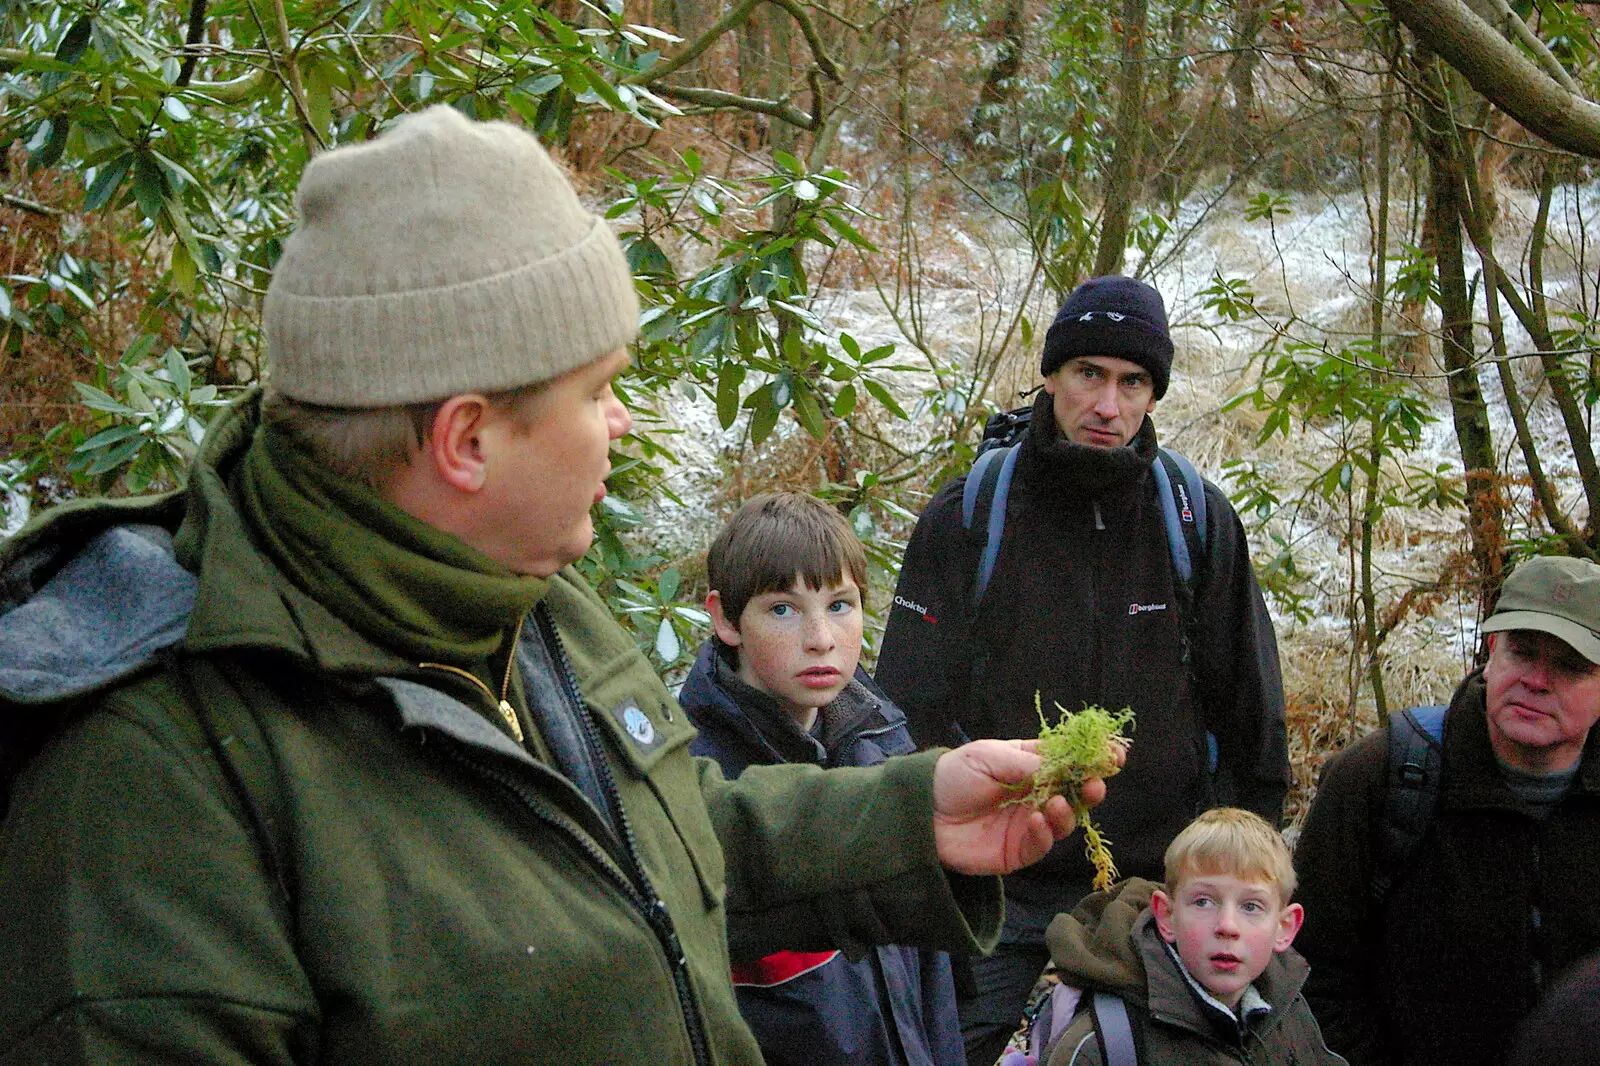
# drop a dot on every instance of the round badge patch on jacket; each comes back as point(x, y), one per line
point(640, 729)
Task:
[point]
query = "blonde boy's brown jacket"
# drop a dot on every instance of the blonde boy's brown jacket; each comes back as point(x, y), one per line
point(1109, 943)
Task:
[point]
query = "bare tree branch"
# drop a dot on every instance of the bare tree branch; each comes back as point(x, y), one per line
point(29, 206)
point(232, 91)
point(1496, 68)
point(1552, 66)
point(819, 53)
point(197, 29)
point(717, 98)
point(736, 15)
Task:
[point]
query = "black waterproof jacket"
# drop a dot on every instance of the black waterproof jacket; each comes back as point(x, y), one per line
point(1494, 906)
point(894, 1006)
point(1082, 609)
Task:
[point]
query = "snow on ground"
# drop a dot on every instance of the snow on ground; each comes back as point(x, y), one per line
point(1307, 264)
point(16, 507)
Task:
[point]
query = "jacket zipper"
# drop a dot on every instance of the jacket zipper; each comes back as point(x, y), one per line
point(652, 910)
point(503, 705)
point(632, 883)
point(860, 732)
point(656, 914)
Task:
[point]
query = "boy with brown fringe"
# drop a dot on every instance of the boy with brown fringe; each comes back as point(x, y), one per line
point(779, 683)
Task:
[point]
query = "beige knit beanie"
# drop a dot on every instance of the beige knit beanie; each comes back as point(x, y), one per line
point(446, 256)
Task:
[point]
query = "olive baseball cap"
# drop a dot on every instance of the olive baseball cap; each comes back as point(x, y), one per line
point(1555, 595)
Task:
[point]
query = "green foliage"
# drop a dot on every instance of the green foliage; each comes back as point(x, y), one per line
point(669, 628)
point(739, 329)
point(154, 414)
point(192, 160)
point(1371, 415)
point(1229, 298)
point(1266, 206)
point(1415, 277)
point(1568, 32)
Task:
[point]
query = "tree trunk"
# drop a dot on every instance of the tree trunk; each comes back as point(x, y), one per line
point(1122, 178)
point(1242, 80)
point(1446, 182)
point(998, 88)
point(1372, 502)
point(691, 18)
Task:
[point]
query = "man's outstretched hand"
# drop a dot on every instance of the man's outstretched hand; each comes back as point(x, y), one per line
point(974, 834)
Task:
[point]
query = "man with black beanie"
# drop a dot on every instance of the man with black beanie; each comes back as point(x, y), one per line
point(1084, 607)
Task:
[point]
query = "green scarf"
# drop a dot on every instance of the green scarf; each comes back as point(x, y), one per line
point(396, 580)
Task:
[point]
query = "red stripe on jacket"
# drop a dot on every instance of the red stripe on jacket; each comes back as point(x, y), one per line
point(779, 967)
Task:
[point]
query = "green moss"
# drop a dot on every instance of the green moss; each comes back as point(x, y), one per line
point(1078, 747)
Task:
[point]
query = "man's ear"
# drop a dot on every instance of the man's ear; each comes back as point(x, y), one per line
point(1161, 907)
point(726, 631)
point(454, 443)
point(1150, 408)
point(1289, 922)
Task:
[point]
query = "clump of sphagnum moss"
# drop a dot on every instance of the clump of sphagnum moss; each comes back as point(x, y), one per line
point(1079, 746)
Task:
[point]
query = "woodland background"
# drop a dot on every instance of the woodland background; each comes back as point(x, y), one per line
point(850, 222)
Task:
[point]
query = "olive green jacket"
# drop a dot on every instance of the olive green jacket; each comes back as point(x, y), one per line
point(445, 896)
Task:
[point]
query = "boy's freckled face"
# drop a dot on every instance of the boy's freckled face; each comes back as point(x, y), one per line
point(800, 645)
point(1226, 929)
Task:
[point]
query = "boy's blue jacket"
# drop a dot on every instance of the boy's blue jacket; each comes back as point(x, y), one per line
point(894, 1007)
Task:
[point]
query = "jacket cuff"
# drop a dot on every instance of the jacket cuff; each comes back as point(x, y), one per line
point(934, 907)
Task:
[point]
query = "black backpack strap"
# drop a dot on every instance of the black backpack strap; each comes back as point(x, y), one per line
point(1410, 794)
point(1111, 1023)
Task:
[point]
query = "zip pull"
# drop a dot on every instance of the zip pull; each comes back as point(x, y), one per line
point(506, 710)
point(509, 713)
point(1099, 523)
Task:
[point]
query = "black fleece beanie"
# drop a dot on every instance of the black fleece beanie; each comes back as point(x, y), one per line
point(1112, 316)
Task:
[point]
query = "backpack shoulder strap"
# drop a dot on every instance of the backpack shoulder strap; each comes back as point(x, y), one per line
point(1183, 513)
point(984, 497)
point(1411, 792)
point(1117, 1047)
point(1182, 493)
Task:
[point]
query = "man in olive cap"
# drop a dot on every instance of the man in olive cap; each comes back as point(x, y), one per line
point(1498, 899)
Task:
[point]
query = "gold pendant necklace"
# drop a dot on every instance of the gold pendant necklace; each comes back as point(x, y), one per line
point(507, 712)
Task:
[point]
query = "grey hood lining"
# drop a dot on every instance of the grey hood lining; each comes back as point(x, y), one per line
point(103, 615)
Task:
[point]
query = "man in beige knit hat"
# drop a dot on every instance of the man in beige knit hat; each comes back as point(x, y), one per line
point(1434, 952)
point(334, 758)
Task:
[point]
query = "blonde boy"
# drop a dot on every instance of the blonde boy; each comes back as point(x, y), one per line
point(1226, 908)
point(1197, 971)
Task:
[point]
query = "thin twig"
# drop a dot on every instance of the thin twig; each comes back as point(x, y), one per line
point(289, 74)
point(30, 206)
